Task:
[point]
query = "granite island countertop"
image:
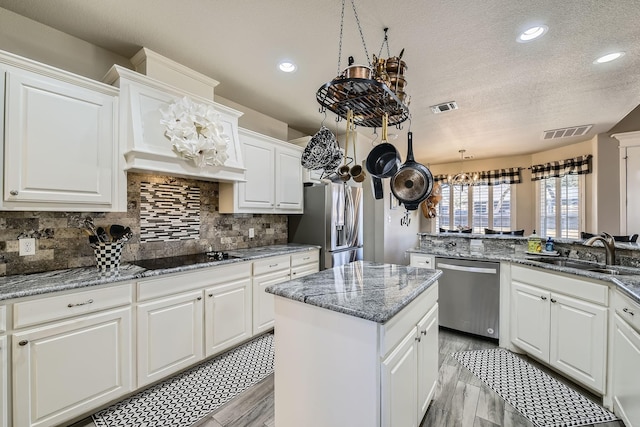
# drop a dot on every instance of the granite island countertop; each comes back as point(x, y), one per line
point(24, 285)
point(628, 283)
point(371, 291)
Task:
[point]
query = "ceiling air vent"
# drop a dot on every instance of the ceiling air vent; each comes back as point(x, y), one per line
point(566, 132)
point(444, 107)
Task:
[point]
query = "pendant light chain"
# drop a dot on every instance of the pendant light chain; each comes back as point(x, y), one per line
point(385, 41)
point(361, 34)
point(366, 52)
point(340, 43)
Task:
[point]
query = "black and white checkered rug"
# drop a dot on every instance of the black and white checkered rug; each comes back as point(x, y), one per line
point(183, 400)
point(540, 398)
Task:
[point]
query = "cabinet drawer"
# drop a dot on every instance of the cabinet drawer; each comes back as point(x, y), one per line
point(303, 270)
point(72, 304)
point(311, 257)
point(423, 261)
point(271, 264)
point(579, 287)
point(3, 318)
point(627, 309)
point(192, 280)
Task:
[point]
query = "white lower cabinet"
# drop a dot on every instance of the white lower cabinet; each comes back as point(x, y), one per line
point(65, 369)
point(562, 322)
point(263, 314)
point(169, 335)
point(400, 383)
point(410, 374)
point(274, 270)
point(4, 386)
point(427, 360)
point(422, 260)
point(625, 366)
point(227, 315)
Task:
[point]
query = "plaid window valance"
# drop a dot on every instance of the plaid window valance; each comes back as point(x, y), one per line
point(492, 177)
point(577, 166)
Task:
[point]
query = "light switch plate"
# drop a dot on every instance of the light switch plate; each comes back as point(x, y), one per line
point(27, 246)
point(252, 233)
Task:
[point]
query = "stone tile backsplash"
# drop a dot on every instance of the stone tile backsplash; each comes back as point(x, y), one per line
point(63, 243)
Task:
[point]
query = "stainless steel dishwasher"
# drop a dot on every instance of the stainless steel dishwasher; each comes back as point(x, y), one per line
point(469, 296)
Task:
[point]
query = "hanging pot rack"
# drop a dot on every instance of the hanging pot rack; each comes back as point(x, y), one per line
point(368, 99)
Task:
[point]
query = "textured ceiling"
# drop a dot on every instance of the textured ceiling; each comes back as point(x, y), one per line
point(462, 50)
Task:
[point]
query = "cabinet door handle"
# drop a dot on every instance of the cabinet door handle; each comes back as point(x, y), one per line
point(626, 310)
point(199, 298)
point(23, 343)
point(553, 300)
point(210, 295)
point(306, 258)
point(418, 339)
point(273, 265)
point(424, 332)
point(543, 298)
point(71, 305)
point(13, 192)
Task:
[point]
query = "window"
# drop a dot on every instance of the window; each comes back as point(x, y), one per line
point(478, 206)
point(561, 204)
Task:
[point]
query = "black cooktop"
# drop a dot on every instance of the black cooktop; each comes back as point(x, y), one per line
point(179, 261)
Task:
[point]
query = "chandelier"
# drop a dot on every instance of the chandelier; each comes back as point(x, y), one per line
point(462, 178)
point(370, 91)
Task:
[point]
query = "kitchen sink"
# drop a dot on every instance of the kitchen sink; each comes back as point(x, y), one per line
point(588, 266)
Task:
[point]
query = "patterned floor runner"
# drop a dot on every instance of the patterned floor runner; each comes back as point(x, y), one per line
point(540, 398)
point(186, 398)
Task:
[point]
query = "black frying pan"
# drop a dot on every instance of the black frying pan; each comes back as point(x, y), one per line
point(413, 182)
point(383, 160)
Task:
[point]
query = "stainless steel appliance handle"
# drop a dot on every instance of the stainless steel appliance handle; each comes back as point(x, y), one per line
point(349, 216)
point(465, 268)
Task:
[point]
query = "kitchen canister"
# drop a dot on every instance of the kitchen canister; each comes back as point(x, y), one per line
point(108, 255)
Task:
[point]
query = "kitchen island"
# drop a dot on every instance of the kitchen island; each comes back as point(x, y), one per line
point(356, 345)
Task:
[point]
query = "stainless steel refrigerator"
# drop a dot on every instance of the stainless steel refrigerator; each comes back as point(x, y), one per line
point(332, 219)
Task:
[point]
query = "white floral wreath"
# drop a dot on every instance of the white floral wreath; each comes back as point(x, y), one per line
point(196, 132)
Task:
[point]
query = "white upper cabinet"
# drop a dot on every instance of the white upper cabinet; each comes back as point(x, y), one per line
point(273, 178)
point(629, 148)
point(60, 142)
point(145, 146)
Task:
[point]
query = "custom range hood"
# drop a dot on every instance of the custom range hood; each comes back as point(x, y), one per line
point(154, 135)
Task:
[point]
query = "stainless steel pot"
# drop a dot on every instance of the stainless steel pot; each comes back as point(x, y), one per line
point(413, 182)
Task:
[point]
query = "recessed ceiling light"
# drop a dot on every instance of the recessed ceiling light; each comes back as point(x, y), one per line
point(287, 66)
point(609, 57)
point(532, 33)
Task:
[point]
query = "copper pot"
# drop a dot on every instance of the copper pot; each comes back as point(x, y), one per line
point(357, 72)
point(396, 65)
point(397, 82)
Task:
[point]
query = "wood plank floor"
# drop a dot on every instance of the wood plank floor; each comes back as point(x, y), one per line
point(461, 399)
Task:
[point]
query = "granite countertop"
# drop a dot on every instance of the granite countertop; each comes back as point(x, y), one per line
point(24, 285)
point(629, 283)
point(368, 290)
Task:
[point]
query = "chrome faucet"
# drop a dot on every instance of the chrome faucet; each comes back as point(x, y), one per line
point(609, 246)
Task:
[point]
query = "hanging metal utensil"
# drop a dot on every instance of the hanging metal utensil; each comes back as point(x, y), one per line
point(413, 182)
point(343, 171)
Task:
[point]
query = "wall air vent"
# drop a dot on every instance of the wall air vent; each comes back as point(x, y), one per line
point(566, 132)
point(444, 107)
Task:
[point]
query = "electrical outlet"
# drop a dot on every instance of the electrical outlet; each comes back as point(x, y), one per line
point(252, 233)
point(27, 246)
